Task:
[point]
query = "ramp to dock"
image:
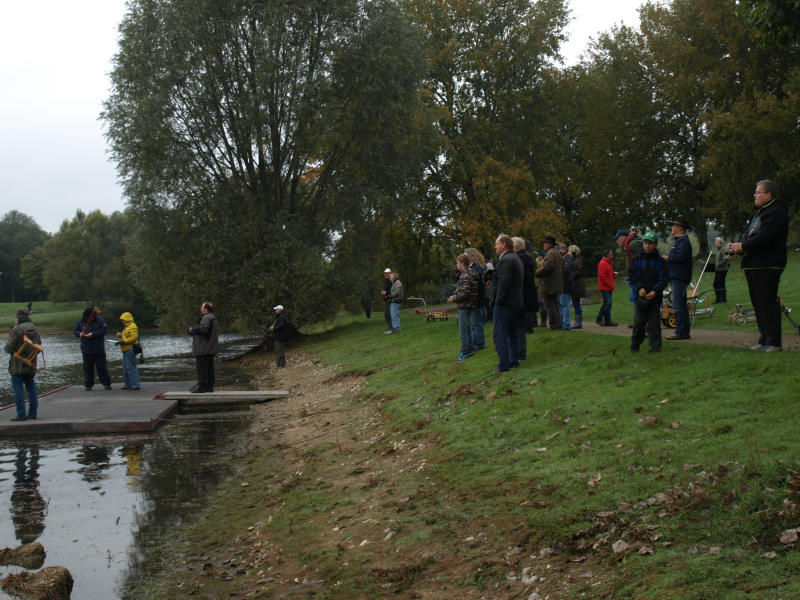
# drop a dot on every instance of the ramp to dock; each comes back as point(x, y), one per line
point(74, 411)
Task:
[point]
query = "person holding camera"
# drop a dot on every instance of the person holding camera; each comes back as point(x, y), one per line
point(648, 275)
point(128, 338)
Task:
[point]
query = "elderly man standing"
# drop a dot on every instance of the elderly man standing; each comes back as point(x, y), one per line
point(395, 299)
point(205, 344)
point(679, 269)
point(507, 300)
point(764, 248)
point(280, 335)
point(551, 281)
point(530, 296)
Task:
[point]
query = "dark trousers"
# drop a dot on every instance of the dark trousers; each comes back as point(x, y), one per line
point(504, 333)
point(205, 372)
point(280, 353)
point(763, 287)
point(647, 320)
point(681, 306)
point(92, 362)
point(719, 286)
point(519, 323)
point(387, 314)
point(553, 311)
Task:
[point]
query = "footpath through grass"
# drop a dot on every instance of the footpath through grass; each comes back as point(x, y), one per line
point(682, 461)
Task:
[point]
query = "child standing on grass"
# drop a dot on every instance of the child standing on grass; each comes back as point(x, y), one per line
point(605, 283)
point(649, 279)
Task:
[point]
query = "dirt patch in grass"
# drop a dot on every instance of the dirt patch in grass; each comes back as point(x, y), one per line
point(330, 501)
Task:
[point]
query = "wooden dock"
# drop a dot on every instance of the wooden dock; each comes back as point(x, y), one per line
point(74, 411)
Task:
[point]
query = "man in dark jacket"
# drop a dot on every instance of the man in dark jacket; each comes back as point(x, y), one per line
point(22, 372)
point(530, 296)
point(764, 247)
point(205, 344)
point(632, 244)
point(280, 335)
point(386, 292)
point(565, 297)
point(507, 301)
point(91, 329)
point(679, 269)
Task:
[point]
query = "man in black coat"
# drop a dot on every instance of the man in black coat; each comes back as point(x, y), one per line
point(91, 329)
point(507, 302)
point(764, 248)
point(280, 334)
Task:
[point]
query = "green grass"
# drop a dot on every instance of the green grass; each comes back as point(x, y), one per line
point(48, 316)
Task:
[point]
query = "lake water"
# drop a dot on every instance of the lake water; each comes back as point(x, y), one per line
point(100, 506)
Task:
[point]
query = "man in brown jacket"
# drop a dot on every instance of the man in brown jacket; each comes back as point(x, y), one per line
point(550, 281)
point(22, 373)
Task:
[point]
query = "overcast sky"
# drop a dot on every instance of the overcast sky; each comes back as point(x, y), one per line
point(54, 60)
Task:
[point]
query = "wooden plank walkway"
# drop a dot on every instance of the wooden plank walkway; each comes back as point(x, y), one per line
point(74, 411)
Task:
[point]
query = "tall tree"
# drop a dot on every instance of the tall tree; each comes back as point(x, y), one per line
point(19, 235)
point(250, 134)
point(85, 259)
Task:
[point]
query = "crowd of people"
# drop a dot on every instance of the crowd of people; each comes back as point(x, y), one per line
point(508, 293)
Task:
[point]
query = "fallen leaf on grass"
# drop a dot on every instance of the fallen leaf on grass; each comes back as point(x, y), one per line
point(789, 536)
point(543, 449)
point(649, 421)
point(769, 555)
point(619, 546)
point(646, 550)
point(551, 436)
point(594, 480)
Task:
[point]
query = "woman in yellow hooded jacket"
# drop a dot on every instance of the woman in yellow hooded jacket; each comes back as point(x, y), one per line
point(127, 338)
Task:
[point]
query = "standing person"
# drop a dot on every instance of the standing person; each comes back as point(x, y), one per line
point(127, 338)
point(280, 335)
point(551, 281)
point(764, 246)
point(578, 285)
point(91, 329)
point(395, 299)
point(679, 269)
point(565, 297)
point(530, 296)
point(22, 374)
point(506, 301)
point(386, 292)
point(630, 242)
point(720, 271)
point(466, 295)
point(205, 344)
point(605, 283)
point(478, 265)
point(648, 274)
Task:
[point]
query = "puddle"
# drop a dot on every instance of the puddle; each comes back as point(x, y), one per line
point(101, 505)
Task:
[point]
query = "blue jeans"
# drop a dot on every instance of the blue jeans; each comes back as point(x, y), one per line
point(504, 333)
point(605, 311)
point(465, 329)
point(131, 372)
point(478, 335)
point(17, 381)
point(395, 312)
point(680, 306)
point(564, 302)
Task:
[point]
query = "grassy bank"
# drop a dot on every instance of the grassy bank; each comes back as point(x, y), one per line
point(50, 317)
point(590, 471)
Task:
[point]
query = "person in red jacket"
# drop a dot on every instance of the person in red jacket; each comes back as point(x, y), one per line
point(605, 283)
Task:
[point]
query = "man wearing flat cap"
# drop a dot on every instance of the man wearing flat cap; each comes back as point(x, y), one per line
point(550, 281)
point(679, 270)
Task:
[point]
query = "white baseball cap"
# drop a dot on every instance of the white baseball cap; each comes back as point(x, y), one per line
point(387, 270)
point(279, 307)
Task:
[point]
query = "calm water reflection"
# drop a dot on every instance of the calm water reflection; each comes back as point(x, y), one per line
point(100, 506)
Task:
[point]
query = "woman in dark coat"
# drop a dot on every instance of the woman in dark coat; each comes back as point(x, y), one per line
point(578, 285)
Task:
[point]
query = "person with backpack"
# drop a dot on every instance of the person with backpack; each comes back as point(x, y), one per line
point(21, 370)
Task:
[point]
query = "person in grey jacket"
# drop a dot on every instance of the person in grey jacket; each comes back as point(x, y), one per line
point(22, 373)
point(396, 296)
point(205, 344)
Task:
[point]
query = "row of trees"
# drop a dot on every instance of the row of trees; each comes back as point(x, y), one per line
point(287, 151)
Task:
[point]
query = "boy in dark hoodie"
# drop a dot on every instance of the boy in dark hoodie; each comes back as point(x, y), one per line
point(649, 278)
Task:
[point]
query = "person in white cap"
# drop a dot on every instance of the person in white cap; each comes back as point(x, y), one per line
point(386, 292)
point(280, 334)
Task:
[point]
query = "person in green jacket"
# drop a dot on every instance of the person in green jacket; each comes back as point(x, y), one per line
point(22, 373)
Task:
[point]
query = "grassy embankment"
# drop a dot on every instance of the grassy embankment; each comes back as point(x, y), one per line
point(49, 317)
point(681, 462)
